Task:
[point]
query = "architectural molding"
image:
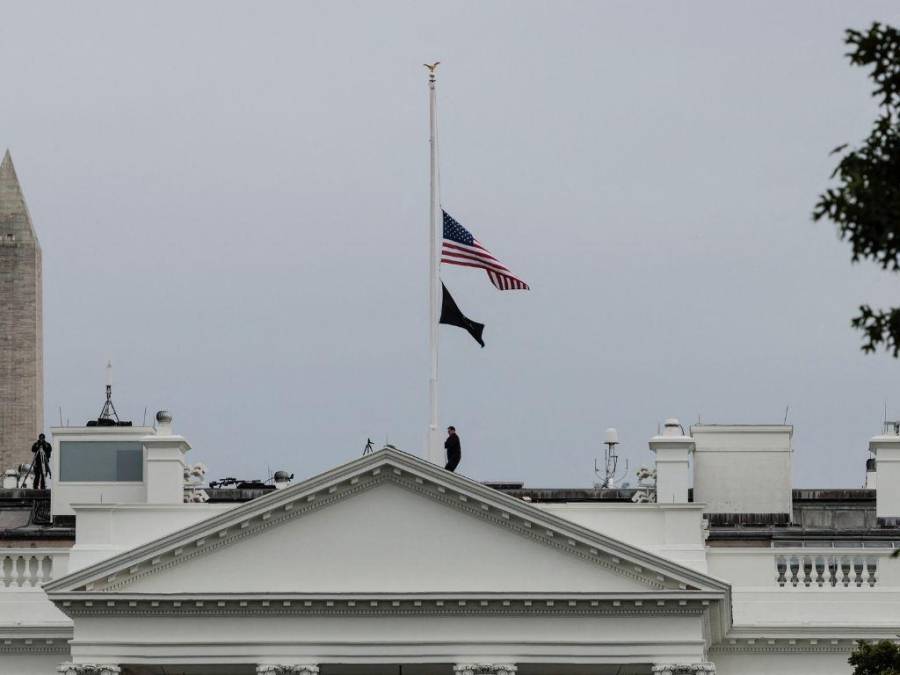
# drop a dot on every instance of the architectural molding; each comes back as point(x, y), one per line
point(682, 669)
point(287, 669)
point(88, 669)
point(484, 669)
point(799, 639)
point(35, 640)
point(470, 605)
point(34, 647)
point(795, 647)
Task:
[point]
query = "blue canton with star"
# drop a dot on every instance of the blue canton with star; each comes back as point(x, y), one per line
point(456, 232)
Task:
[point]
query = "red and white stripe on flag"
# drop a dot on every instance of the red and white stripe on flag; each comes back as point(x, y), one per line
point(461, 248)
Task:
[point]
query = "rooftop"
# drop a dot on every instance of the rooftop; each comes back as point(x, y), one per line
point(819, 516)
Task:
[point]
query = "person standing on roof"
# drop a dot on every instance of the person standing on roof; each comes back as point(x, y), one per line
point(40, 462)
point(454, 452)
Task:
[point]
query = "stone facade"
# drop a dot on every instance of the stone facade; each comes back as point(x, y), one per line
point(21, 325)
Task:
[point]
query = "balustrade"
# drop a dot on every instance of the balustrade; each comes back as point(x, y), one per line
point(29, 568)
point(826, 571)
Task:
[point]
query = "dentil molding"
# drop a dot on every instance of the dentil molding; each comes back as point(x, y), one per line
point(88, 669)
point(287, 669)
point(683, 668)
point(484, 669)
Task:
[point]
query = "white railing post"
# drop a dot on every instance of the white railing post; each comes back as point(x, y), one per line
point(818, 570)
point(30, 568)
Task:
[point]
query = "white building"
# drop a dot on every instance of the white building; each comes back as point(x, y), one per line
point(390, 565)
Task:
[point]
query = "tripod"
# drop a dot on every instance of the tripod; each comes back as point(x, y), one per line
point(40, 458)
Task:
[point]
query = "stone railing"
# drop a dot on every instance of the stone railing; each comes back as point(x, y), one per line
point(31, 567)
point(826, 570)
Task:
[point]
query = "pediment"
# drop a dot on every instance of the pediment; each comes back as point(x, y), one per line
point(388, 523)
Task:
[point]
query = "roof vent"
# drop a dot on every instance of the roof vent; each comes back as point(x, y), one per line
point(282, 479)
point(164, 423)
point(672, 427)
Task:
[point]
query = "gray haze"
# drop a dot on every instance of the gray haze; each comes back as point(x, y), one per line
point(232, 203)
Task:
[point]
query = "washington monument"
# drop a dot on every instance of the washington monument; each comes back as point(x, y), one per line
point(21, 325)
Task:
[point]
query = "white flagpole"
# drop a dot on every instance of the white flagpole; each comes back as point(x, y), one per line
point(434, 282)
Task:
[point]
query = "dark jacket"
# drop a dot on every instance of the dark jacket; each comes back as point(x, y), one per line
point(451, 445)
point(39, 444)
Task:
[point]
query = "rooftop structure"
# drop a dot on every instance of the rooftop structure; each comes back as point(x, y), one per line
point(389, 562)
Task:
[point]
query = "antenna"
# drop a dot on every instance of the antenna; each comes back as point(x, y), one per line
point(60, 416)
point(109, 410)
point(787, 409)
point(607, 474)
point(108, 415)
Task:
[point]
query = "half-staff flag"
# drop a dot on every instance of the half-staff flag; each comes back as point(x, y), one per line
point(460, 247)
point(452, 316)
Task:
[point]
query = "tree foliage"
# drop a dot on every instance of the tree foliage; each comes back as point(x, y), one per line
point(875, 658)
point(865, 202)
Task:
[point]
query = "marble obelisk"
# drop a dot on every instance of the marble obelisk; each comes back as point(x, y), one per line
point(21, 325)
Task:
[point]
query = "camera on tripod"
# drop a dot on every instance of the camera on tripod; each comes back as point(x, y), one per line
point(39, 468)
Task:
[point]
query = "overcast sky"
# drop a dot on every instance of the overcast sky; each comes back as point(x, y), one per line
point(232, 202)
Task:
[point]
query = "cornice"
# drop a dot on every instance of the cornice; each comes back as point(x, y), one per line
point(784, 647)
point(807, 632)
point(35, 641)
point(101, 604)
point(800, 639)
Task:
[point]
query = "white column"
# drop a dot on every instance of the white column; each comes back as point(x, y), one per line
point(484, 669)
point(683, 668)
point(88, 669)
point(287, 669)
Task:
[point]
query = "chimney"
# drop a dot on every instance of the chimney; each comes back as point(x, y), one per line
point(165, 462)
point(673, 450)
point(886, 450)
point(743, 468)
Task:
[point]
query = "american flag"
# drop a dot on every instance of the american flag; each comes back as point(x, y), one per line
point(461, 248)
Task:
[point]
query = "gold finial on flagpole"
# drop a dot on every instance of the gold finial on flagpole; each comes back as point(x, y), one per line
point(431, 68)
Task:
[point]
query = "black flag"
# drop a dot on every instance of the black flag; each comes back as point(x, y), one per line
point(451, 316)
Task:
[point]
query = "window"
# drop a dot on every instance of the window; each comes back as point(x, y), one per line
point(108, 461)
